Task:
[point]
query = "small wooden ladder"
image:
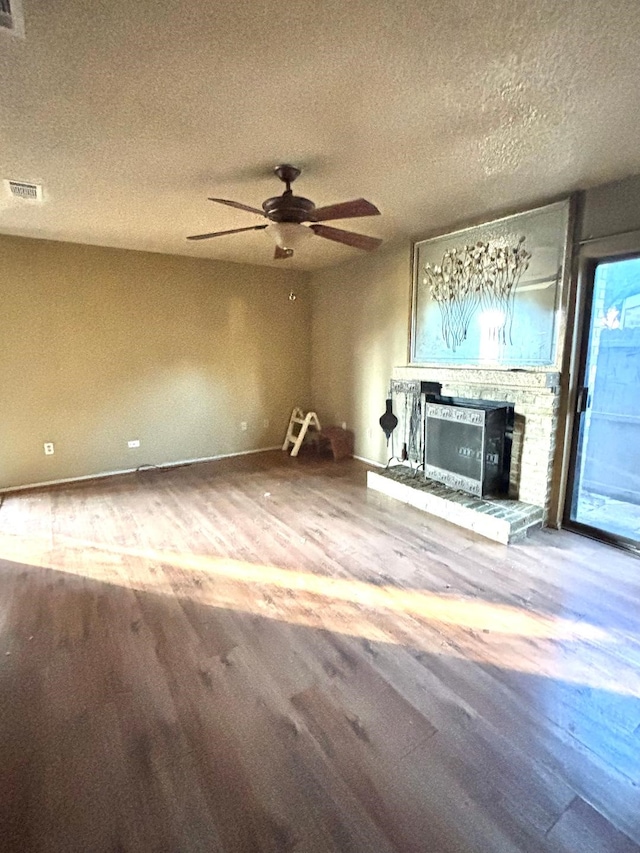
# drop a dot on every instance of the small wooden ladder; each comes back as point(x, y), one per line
point(298, 418)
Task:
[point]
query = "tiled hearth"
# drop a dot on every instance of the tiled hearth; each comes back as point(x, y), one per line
point(500, 519)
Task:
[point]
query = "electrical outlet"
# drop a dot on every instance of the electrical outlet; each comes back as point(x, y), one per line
point(49, 448)
point(135, 442)
point(344, 424)
point(265, 423)
point(243, 426)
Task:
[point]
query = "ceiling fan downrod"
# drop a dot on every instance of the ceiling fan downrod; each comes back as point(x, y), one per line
point(287, 175)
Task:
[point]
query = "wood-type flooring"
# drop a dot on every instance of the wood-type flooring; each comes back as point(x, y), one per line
point(260, 655)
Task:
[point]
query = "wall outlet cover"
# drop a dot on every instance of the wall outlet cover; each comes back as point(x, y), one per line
point(134, 442)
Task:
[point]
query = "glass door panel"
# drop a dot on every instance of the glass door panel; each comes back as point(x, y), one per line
point(605, 494)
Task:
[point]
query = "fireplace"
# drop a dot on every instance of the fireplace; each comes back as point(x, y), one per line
point(534, 396)
point(531, 399)
point(465, 445)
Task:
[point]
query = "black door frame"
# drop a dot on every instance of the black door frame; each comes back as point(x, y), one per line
point(589, 262)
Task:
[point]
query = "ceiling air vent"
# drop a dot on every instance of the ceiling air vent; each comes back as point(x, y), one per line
point(23, 190)
point(11, 18)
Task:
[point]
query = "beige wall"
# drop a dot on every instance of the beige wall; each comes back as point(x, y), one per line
point(99, 346)
point(360, 333)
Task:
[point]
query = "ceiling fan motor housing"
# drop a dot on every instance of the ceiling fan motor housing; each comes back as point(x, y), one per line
point(288, 208)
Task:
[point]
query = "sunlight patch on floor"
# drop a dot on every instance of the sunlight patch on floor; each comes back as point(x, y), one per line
point(446, 624)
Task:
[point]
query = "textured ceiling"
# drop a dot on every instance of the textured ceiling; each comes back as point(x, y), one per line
point(132, 113)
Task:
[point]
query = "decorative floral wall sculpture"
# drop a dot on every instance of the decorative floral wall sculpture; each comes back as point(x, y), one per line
point(479, 276)
point(490, 295)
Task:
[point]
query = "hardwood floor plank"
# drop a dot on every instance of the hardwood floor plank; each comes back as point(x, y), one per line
point(586, 830)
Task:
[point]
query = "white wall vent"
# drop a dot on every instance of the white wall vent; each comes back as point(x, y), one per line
point(23, 190)
point(11, 17)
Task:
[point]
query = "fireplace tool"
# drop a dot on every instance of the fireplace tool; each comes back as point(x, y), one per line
point(412, 421)
point(389, 422)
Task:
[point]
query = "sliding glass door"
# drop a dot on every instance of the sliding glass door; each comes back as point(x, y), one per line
point(604, 484)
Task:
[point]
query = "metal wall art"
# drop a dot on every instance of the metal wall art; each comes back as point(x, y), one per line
point(490, 295)
point(479, 277)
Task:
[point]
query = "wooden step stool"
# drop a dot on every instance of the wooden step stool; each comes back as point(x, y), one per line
point(299, 419)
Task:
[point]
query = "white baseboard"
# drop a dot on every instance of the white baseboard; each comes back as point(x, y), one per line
point(103, 474)
point(369, 461)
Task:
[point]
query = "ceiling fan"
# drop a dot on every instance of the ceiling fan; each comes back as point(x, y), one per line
point(287, 214)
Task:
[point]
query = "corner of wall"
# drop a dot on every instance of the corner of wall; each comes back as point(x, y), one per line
point(359, 334)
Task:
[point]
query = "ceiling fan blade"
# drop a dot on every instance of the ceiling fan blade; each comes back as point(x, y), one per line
point(345, 210)
point(281, 254)
point(349, 238)
point(239, 205)
point(222, 233)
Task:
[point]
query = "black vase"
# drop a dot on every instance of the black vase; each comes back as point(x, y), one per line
point(388, 421)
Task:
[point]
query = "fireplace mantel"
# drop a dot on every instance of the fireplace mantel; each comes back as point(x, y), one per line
point(542, 379)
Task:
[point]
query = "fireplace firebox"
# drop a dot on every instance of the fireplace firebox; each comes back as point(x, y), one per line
point(466, 446)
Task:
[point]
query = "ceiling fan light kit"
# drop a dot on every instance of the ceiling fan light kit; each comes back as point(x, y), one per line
point(287, 214)
point(288, 235)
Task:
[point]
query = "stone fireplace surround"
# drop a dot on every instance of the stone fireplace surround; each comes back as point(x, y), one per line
point(536, 399)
